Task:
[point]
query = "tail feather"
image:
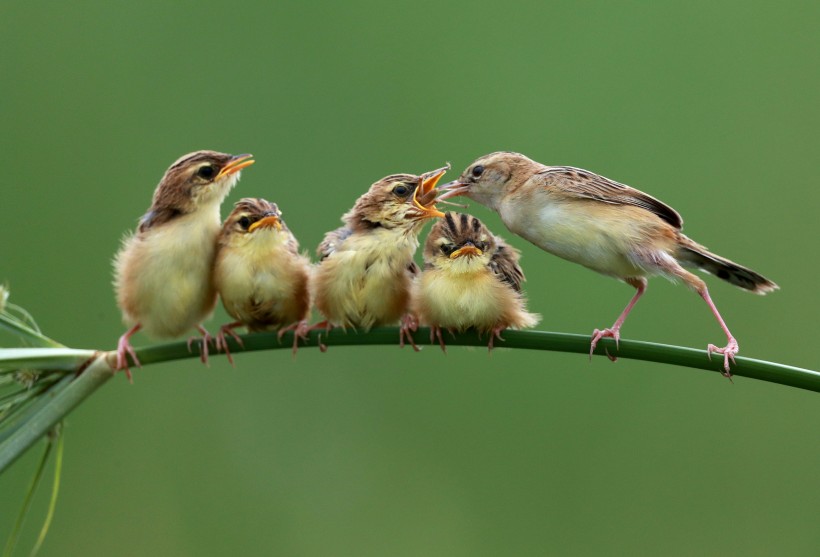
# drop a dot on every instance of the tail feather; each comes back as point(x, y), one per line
point(692, 254)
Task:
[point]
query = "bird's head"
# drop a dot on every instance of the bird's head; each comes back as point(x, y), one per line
point(400, 201)
point(199, 179)
point(254, 219)
point(459, 243)
point(491, 177)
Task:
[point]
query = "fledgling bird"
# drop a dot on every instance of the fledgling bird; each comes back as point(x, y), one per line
point(259, 273)
point(366, 267)
point(163, 271)
point(601, 224)
point(471, 279)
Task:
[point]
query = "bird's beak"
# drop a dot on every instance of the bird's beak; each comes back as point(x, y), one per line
point(453, 189)
point(468, 249)
point(424, 198)
point(236, 164)
point(271, 221)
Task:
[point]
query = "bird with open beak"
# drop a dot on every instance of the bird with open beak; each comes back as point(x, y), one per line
point(471, 279)
point(366, 267)
point(163, 271)
point(601, 224)
point(260, 274)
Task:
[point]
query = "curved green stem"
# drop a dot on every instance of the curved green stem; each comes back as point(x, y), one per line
point(531, 340)
point(45, 413)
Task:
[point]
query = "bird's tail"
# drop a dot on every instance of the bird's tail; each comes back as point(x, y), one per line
point(692, 254)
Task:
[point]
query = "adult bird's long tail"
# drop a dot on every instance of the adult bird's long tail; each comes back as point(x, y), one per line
point(692, 254)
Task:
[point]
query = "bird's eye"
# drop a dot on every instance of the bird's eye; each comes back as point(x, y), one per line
point(447, 249)
point(401, 190)
point(477, 171)
point(481, 245)
point(207, 172)
point(245, 222)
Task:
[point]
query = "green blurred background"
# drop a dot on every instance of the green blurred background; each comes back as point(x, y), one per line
point(712, 107)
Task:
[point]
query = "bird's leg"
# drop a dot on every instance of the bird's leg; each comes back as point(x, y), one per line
point(731, 347)
point(615, 331)
point(222, 343)
point(203, 346)
point(435, 333)
point(495, 334)
point(409, 325)
point(695, 283)
point(124, 349)
point(300, 331)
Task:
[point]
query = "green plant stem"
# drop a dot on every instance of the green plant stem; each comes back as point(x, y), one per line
point(531, 340)
point(52, 408)
point(40, 418)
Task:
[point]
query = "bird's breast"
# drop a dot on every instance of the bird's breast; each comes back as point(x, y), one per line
point(164, 274)
point(365, 281)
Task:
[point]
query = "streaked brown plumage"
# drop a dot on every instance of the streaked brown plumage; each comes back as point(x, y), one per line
point(606, 226)
point(259, 273)
point(163, 271)
point(471, 279)
point(365, 270)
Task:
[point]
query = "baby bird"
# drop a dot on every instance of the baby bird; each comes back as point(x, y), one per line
point(471, 278)
point(601, 224)
point(163, 271)
point(259, 273)
point(366, 267)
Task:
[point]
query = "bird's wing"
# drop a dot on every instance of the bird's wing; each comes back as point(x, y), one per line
point(504, 263)
point(332, 241)
point(157, 217)
point(581, 183)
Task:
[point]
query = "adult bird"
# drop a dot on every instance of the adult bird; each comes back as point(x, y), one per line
point(603, 225)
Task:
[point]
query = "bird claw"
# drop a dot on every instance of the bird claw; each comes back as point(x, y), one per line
point(221, 343)
point(728, 352)
point(124, 349)
point(409, 325)
point(435, 333)
point(300, 331)
point(495, 334)
point(203, 344)
point(327, 326)
point(598, 334)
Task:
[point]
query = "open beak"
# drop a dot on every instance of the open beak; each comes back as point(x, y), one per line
point(424, 198)
point(468, 249)
point(236, 164)
point(271, 221)
point(453, 189)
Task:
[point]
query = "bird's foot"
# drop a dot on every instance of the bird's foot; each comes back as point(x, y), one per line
point(598, 334)
point(495, 334)
point(327, 326)
point(409, 325)
point(435, 334)
point(124, 349)
point(300, 331)
point(204, 341)
point(221, 341)
point(728, 352)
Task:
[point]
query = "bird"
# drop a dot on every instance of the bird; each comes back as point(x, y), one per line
point(259, 273)
point(163, 271)
point(366, 267)
point(604, 225)
point(471, 279)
